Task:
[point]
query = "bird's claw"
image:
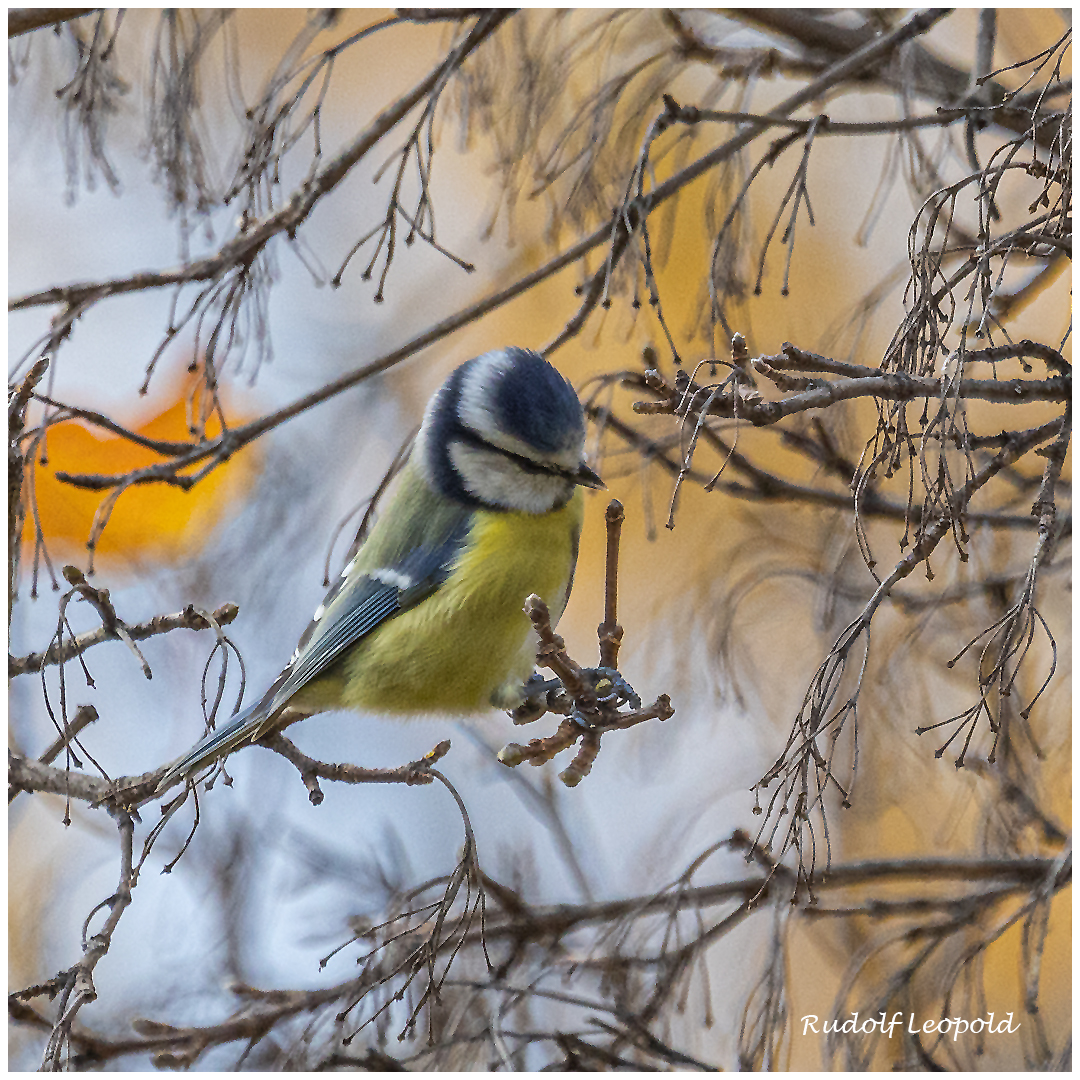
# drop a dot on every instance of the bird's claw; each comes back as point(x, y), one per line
point(535, 699)
point(549, 695)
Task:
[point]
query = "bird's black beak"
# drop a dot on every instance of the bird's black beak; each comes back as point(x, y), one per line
point(587, 478)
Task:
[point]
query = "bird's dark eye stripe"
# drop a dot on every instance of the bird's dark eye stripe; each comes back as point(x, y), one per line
point(470, 438)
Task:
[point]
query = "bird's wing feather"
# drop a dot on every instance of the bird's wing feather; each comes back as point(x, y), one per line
point(368, 595)
point(365, 601)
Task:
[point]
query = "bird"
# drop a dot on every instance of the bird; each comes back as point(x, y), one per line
point(427, 616)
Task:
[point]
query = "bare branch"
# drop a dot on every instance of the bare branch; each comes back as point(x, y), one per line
point(23, 20)
point(243, 249)
point(78, 981)
point(416, 772)
point(60, 651)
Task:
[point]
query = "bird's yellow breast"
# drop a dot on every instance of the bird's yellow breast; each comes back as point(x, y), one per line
point(470, 639)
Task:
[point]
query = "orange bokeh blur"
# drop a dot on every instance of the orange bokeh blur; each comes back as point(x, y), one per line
point(149, 522)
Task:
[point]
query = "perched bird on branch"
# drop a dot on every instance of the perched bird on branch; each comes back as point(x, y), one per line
point(427, 617)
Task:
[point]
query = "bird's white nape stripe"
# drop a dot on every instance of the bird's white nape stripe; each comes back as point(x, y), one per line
point(473, 407)
point(391, 577)
point(474, 404)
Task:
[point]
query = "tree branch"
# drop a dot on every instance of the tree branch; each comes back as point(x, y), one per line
point(23, 20)
point(60, 651)
point(243, 249)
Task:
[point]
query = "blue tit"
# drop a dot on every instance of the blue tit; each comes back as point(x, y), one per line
point(427, 618)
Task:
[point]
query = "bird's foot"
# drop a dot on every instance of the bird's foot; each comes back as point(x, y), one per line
point(550, 695)
point(611, 688)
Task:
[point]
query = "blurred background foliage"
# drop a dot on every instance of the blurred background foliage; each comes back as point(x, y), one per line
point(146, 141)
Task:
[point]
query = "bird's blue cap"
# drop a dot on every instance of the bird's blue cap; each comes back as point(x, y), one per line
point(535, 403)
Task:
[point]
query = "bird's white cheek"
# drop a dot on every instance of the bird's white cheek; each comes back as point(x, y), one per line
point(496, 480)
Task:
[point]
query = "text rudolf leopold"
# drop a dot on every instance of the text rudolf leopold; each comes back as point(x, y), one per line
point(957, 1025)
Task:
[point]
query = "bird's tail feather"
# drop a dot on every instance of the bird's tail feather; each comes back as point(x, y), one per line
point(244, 727)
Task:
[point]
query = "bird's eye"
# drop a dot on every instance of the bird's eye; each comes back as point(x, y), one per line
point(534, 468)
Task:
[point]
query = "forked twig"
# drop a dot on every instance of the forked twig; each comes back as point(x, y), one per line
point(588, 713)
